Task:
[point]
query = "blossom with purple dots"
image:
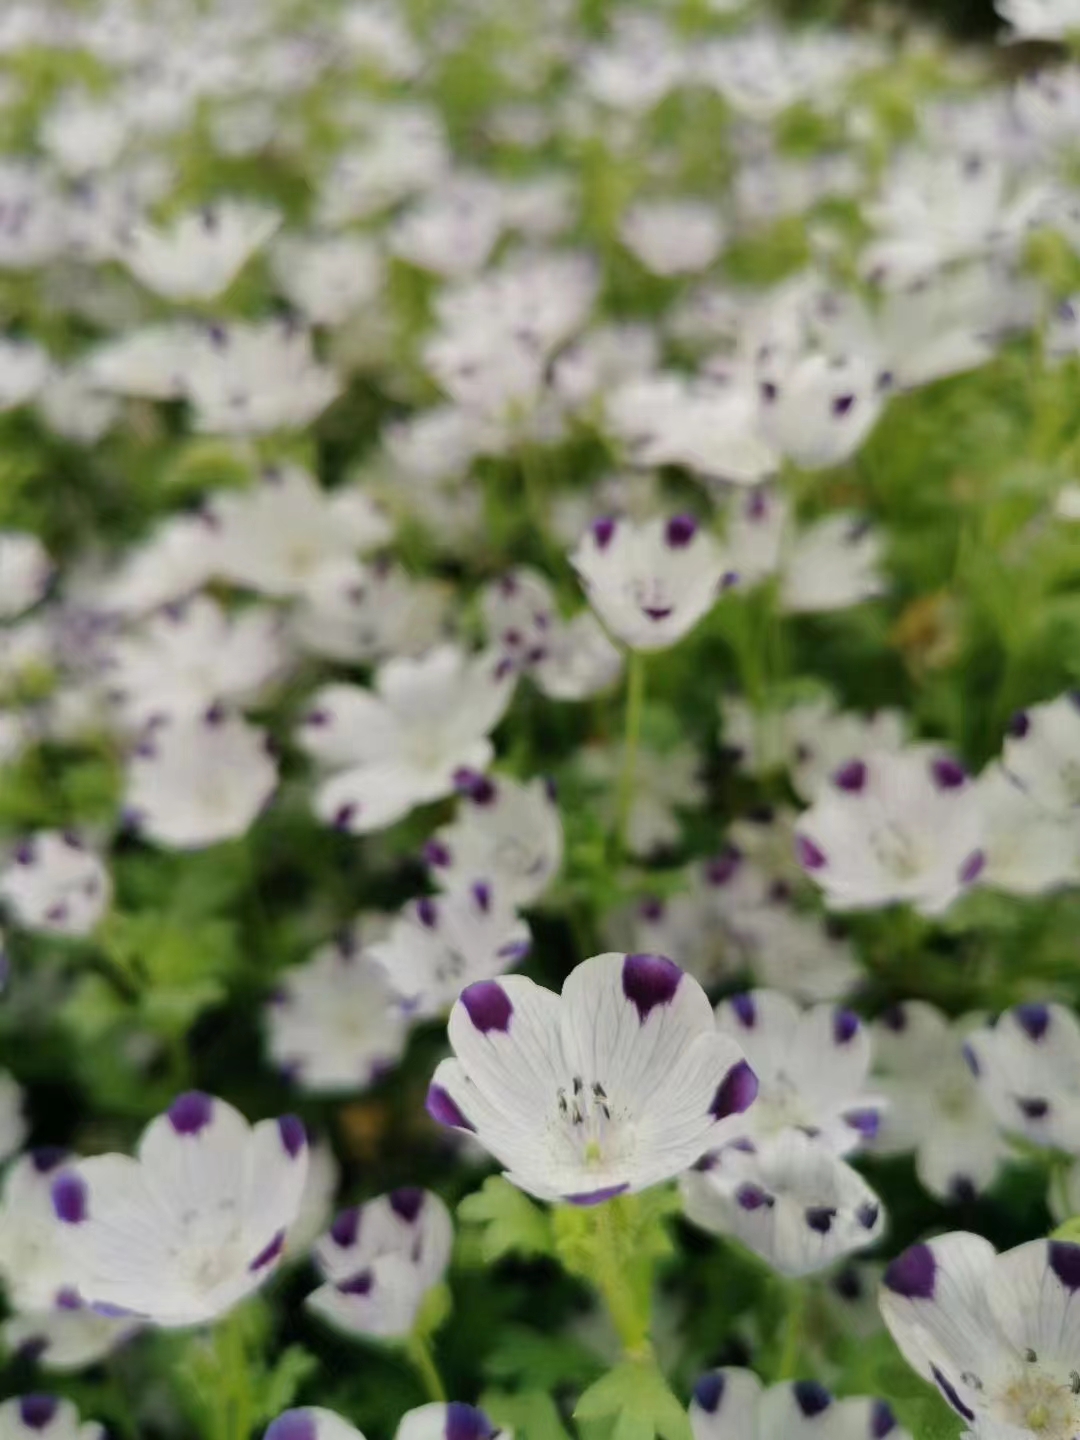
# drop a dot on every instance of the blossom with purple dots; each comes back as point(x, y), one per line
point(620, 1083)
point(732, 1404)
point(650, 583)
point(404, 742)
point(996, 1334)
point(1026, 1066)
point(1041, 754)
point(313, 1422)
point(45, 1417)
point(505, 833)
point(192, 1224)
point(380, 1261)
point(894, 828)
point(56, 884)
point(455, 1421)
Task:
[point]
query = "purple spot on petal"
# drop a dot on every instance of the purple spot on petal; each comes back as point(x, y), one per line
point(845, 1026)
point(949, 1391)
point(1034, 1020)
point(867, 1214)
point(68, 1299)
point(1033, 1108)
point(947, 774)
point(709, 1391)
point(681, 529)
point(807, 853)
point(36, 1411)
point(753, 1197)
point(894, 1018)
point(866, 1122)
point(481, 892)
point(359, 1284)
point(851, 777)
point(47, 1157)
point(191, 1112)
point(435, 853)
point(487, 1006)
point(882, 1420)
point(407, 1203)
point(293, 1425)
point(720, 869)
point(811, 1397)
point(971, 1060)
point(69, 1197)
point(270, 1253)
point(745, 1010)
point(293, 1134)
point(972, 867)
point(962, 1189)
point(597, 1197)
point(443, 1109)
point(736, 1092)
point(648, 981)
point(1019, 725)
point(1064, 1260)
point(820, 1218)
point(346, 1227)
point(427, 912)
point(465, 1422)
point(602, 531)
point(912, 1273)
point(344, 815)
point(843, 405)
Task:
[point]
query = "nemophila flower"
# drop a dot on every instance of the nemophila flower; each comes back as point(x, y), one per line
point(811, 1065)
point(45, 1417)
point(619, 1084)
point(256, 377)
point(152, 362)
point(732, 1404)
point(831, 565)
point(197, 780)
point(935, 1107)
point(33, 222)
point(276, 536)
point(68, 1337)
point(199, 253)
point(25, 571)
point(818, 408)
point(1027, 1069)
point(591, 367)
point(328, 278)
point(24, 368)
point(519, 610)
point(993, 1332)
point(505, 833)
point(789, 1199)
point(380, 1261)
point(650, 584)
point(311, 1423)
point(83, 133)
point(1042, 754)
point(54, 884)
point(1040, 19)
point(316, 1203)
point(405, 742)
point(195, 1222)
point(451, 230)
point(797, 954)
point(358, 613)
point(402, 151)
point(455, 1421)
point(439, 944)
point(191, 656)
point(336, 1023)
point(1029, 850)
point(664, 783)
point(890, 828)
point(568, 659)
point(71, 406)
point(672, 237)
point(176, 559)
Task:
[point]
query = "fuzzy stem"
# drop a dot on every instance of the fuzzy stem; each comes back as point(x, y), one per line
point(419, 1353)
point(635, 703)
point(628, 1315)
point(788, 1363)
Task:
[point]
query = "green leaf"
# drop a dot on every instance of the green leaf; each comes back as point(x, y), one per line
point(548, 1361)
point(636, 1398)
point(280, 1388)
point(512, 1224)
point(530, 1414)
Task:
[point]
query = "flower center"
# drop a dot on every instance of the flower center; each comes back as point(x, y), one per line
point(1038, 1400)
point(587, 1124)
point(895, 851)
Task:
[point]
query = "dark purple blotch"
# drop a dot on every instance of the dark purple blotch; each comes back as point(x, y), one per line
point(1034, 1020)
point(736, 1092)
point(811, 1397)
point(269, 1253)
point(745, 1010)
point(820, 1217)
point(293, 1425)
point(648, 981)
point(709, 1391)
point(1064, 1261)
point(346, 1227)
point(912, 1274)
point(69, 1198)
point(882, 1420)
point(293, 1134)
point(191, 1112)
point(845, 1026)
point(466, 1422)
point(597, 1197)
point(407, 1202)
point(487, 1006)
point(444, 1110)
point(948, 1389)
point(36, 1411)
point(851, 777)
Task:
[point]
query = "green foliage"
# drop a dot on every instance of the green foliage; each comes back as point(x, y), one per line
point(511, 1223)
point(632, 1402)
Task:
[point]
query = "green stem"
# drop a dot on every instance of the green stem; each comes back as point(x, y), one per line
point(628, 1314)
point(635, 704)
point(419, 1353)
point(788, 1364)
point(236, 1419)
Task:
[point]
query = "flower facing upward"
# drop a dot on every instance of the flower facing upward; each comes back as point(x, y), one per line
point(620, 1083)
point(190, 1226)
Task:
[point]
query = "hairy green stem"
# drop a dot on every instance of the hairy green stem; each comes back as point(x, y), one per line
point(419, 1353)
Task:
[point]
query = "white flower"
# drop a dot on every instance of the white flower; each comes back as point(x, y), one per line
point(190, 1226)
point(72, 406)
point(83, 133)
point(794, 952)
point(329, 278)
point(650, 584)
point(311, 1423)
point(505, 833)
point(1040, 19)
point(672, 237)
point(891, 828)
point(403, 743)
point(33, 222)
point(359, 613)
point(199, 253)
point(732, 1404)
point(24, 369)
point(995, 1333)
point(44, 1417)
point(934, 1105)
point(1029, 851)
point(440, 944)
point(255, 378)
point(54, 885)
point(817, 408)
point(195, 781)
point(180, 556)
point(811, 1066)
point(791, 1200)
point(377, 35)
point(1027, 1068)
point(404, 153)
point(336, 1023)
point(455, 1421)
point(568, 659)
point(594, 365)
point(1042, 754)
point(380, 1261)
point(68, 1337)
point(190, 656)
point(276, 537)
point(153, 362)
point(665, 782)
point(25, 571)
point(452, 230)
point(831, 565)
point(619, 1084)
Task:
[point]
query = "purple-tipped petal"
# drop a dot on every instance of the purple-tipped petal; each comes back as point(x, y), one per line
point(427, 912)
point(972, 867)
point(1033, 1019)
point(602, 531)
point(191, 1112)
point(867, 1214)
point(293, 1134)
point(47, 1157)
point(809, 856)
point(597, 1197)
point(465, 1422)
point(948, 1389)
point(845, 1026)
point(882, 1420)
point(811, 1397)
point(912, 1274)
point(407, 1203)
point(680, 530)
point(851, 777)
point(359, 1284)
point(1019, 725)
point(649, 981)
point(753, 1197)
point(293, 1425)
point(736, 1092)
point(948, 774)
point(1064, 1261)
point(820, 1218)
point(745, 1010)
point(436, 854)
point(1033, 1107)
point(37, 1411)
point(346, 1227)
point(69, 1198)
point(444, 1110)
point(270, 1253)
point(709, 1391)
point(867, 1122)
point(488, 1006)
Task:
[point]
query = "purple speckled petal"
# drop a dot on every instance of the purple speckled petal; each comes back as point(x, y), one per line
point(1064, 1260)
point(191, 1112)
point(649, 981)
point(811, 1397)
point(948, 1389)
point(972, 867)
point(745, 1010)
point(487, 1006)
point(709, 1391)
point(1033, 1019)
point(851, 777)
point(346, 1227)
point(443, 1109)
point(845, 1026)
point(602, 531)
point(359, 1284)
point(948, 774)
point(69, 1198)
point(680, 530)
point(736, 1092)
point(882, 1420)
point(912, 1274)
point(753, 1197)
point(1019, 725)
point(465, 1422)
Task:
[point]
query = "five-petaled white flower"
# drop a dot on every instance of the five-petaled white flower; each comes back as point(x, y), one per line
point(45, 1417)
point(620, 1083)
point(732, 1404)
point(505, 833)
point(55, 884)
point(195, 1222)
point(1027, 1067)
